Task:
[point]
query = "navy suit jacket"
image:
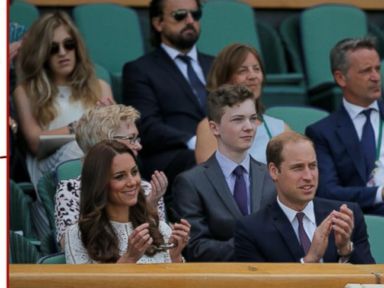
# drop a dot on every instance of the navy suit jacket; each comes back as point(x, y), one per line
point(268, 236)
point(341, 161)
point(202, 196)
point(169, 109)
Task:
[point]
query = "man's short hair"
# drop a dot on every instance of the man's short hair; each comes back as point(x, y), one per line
point(276, 145)
point(338, 55)
point(226, 95)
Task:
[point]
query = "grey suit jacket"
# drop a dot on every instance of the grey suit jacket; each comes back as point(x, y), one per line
point(202, 196)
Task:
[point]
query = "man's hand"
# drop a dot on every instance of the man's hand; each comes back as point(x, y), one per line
point(320, 241)
point(342, 225)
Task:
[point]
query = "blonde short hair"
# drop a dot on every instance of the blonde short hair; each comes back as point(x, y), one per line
point(101, 123)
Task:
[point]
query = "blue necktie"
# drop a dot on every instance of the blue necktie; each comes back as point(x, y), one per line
point(196, 85)
point(304, 239)
point(240, 190)
point(368, 142)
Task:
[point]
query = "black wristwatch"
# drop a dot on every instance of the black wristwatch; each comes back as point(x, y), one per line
point(71, 127)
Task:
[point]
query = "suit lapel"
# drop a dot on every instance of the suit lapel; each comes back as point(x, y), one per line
point(257, 181)
point(216, 177)
point(349, 138)
point(205, 65)
point(282, 224)
point(177, 77)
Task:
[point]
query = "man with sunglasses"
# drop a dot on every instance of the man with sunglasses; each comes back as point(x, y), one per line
point(167, 86)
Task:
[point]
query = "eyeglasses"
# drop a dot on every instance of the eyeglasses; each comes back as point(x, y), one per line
point(131, 139)
point(68, 45)
point(181, 14)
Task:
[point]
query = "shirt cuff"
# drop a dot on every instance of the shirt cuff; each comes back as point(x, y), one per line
point(191, 144)
point(378, 198)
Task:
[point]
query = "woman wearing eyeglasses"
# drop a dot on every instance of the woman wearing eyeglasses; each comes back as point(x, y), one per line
point(239, 64)
point(116, 224)
point(56, 85)
point(117, 122)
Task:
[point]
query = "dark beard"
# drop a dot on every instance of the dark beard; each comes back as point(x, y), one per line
point(184, 41)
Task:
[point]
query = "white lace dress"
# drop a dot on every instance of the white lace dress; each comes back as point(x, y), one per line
point(68, 111)
point(67, 204)
point(75, 252)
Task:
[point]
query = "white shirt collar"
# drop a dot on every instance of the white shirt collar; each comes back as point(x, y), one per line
point(291, 214)
point(355, 110)
point(173, 53)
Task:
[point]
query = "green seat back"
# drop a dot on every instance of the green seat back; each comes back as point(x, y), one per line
point(21, 250)
point(290, 35)
point(321, 28)
point(20, 215)
point(224, 23)
point(272, 49)
point(102, 73)
point(111, 32)
point(47, 190)
point(296, 117)
point(382, 73)
point(23, 13)
point(70, 169)
point(56, 258)
point(375, 230)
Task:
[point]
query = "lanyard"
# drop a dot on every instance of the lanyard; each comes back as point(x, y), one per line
point(378, 148)
point(267, 128)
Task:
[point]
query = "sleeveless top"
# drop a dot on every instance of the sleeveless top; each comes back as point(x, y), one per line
point(259, 146)
point(68, 111)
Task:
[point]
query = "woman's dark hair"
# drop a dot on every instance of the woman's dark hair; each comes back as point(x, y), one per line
point(97, 233)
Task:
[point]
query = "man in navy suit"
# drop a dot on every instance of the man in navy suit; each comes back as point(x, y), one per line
point(208, 195)
point(346, 165)
point(159, 86)
point(297, 227)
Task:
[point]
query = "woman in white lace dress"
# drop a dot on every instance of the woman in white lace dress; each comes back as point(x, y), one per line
point(116, 224)
point(101, 123)
point(56, 85)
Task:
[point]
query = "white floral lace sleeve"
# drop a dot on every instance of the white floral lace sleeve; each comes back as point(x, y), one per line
point(75, 252)
point(67, 205)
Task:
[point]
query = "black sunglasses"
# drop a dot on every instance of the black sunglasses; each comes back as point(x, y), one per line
point(68, 45)
point(181, 14)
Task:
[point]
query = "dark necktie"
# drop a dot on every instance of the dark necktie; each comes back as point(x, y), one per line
point(304, 239)
point(196, 85)
point(240, 190)
point(368, 142)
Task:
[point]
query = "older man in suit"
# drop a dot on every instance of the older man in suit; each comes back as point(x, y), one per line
point(167, 86)
point(297, 227)
point(231, 184)
point(350, 142)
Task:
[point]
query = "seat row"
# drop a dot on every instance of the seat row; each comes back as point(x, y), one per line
point(295, 57)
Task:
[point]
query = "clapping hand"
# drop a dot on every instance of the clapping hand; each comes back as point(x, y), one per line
point(138, 243)
point(342, 225)
point(179, 236)
point(159, 184)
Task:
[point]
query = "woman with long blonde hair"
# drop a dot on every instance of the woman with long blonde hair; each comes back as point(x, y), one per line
point(56, 85)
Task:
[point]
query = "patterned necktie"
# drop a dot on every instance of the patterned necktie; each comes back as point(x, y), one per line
point(196, 85)
point(368, 143)
point(240, 190)
point(304, 239)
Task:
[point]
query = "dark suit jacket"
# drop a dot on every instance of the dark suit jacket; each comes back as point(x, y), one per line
point(268, 236)
point(341, 161)
point(169, 109)
point(202, 196)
